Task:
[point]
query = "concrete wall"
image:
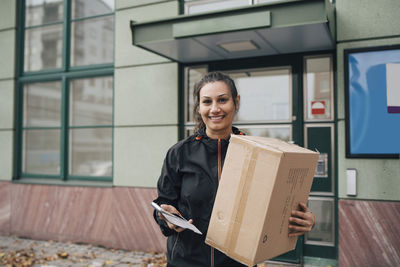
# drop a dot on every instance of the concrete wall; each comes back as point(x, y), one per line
point(145, 98)
point(7, 86)
point(365, 23)
point(367, 234)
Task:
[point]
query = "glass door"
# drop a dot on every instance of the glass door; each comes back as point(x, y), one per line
point(266, 101)
point(266, 109)
point(268, 106)
point(289, 97)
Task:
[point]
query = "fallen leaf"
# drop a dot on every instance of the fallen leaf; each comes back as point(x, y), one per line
point(49, 258)
point(63, 255)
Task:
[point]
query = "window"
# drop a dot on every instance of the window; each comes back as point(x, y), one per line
point(323, 232)
point(318, 84)
point(66, 89)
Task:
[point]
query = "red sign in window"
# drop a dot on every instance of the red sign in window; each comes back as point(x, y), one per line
point(318, 107)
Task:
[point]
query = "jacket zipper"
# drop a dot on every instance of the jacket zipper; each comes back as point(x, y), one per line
point(219, 159)
point(173, 247)
point(219, 178)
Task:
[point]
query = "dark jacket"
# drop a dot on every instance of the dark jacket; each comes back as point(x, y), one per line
point(189, 182)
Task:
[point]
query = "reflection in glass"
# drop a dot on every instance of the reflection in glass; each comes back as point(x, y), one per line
point(318, 88)
point(85, 8)
point(91, 101)
point(41, 151)
point(323, 231)
point(265, 95)
point(193, 7)
point(193, 76)
point(282, 133)
point(92, 41)
point(90, 152)
point(43, 48)
point(40, 12)
point(42, 104)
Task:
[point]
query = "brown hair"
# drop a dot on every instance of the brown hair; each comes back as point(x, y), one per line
point(210, 78)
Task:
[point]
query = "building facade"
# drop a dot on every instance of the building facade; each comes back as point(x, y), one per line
point(93, 93)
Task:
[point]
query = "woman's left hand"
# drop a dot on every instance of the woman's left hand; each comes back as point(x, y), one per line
point(301, 221)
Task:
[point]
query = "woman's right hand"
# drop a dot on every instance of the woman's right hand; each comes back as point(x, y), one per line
point(173, 210)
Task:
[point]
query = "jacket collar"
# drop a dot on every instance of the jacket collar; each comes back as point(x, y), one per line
point(202, 132)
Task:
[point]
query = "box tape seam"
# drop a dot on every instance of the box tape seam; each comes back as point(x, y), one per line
point(246, 180)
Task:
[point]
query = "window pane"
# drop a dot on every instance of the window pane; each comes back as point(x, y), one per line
point(85, 8)
point(41, 151)
point(91, 152)
point(40, 12)
point(42, 104)
point(323, 231)
point(318, 88)
point(92, 41)
point(283, 133)
point(265, 95)
point(91, 101)
point(194, 74)
point(193, 7)
point(43, 48)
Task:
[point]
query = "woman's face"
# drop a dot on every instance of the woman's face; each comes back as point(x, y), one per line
point(217, 109)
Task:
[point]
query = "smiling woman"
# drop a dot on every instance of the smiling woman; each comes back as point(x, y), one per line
point(217, 109)
point(192, 171)
point(216, 91)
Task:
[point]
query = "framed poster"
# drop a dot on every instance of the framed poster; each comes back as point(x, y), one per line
point(372, 90)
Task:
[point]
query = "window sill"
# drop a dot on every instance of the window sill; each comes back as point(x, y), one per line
point(38, 181)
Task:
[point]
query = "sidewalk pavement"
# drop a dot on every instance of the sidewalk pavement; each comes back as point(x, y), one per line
point(20, 252)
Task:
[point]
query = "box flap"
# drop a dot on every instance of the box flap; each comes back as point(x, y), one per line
point(273, 143)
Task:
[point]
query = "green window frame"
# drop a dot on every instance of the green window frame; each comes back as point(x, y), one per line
point(64, 100)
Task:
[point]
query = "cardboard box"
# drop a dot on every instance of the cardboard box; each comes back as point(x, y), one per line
point(262, 181)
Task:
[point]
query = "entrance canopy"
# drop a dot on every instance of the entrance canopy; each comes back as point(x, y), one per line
point(280, 27)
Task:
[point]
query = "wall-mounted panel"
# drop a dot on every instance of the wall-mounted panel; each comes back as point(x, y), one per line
point(372, 102)
point(139, 153)
point(7, 104)
point(320, 137)
point(367, 19)
point(7, 54)
point(8, 14)
point(125, 53)
point(146, 95)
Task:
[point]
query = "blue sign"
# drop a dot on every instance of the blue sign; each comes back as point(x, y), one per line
point(373, 97)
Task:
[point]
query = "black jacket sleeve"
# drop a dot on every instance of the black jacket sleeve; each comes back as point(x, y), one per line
point(168, 187)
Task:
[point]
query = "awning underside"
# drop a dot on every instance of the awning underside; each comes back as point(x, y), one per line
point(250, 32)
